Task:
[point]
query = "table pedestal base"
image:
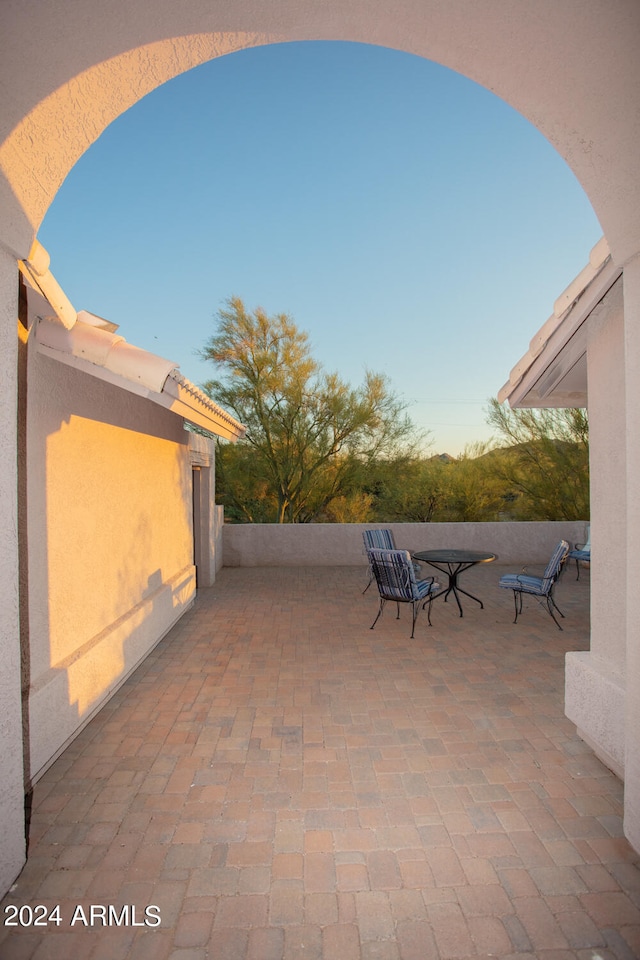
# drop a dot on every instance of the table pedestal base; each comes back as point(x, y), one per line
point(455, 590)
point(453, 563)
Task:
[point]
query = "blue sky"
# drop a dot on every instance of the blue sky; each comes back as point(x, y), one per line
point(409, 220)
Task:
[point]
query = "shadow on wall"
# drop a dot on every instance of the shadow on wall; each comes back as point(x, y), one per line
point(107, 545)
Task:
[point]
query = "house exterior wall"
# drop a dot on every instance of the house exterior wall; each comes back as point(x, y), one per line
point(595, 680)
point(626, 585)
point(207, 513)
point(110, 546)
point(12, 814)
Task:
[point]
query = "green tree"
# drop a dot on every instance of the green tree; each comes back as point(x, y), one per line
point(545, 462)
point(473, 491)
point(309, 435)
point(438, 489)
point(407, 489)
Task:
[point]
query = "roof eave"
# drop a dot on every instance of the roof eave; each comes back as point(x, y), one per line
point(560, 345)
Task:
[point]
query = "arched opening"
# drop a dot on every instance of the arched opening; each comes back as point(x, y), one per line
point(526, 59)
point(379, 198)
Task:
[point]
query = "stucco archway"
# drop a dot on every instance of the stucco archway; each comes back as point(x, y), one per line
point(572, 69)
point(561, 66)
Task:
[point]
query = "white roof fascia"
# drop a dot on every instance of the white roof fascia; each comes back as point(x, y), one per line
point(182, 397)
point(561, 332)
point(93, 370)
point(90, 343)
point(107, 356)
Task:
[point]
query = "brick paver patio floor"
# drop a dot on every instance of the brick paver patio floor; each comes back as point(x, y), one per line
point(283, 783)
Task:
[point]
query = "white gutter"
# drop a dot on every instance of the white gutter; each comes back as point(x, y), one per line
point(101, 348)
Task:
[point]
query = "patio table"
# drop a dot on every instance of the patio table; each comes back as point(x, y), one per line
point(453, 563)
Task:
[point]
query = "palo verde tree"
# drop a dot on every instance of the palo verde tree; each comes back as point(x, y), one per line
point(545, 462)
point(474, 491)
point(440, 489)
point(309, 435)
point(408, 489)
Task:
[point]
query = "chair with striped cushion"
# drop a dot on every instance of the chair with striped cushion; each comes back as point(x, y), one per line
point(381, 538)
point(394, 573)
point(581, 552)
point(539, 587)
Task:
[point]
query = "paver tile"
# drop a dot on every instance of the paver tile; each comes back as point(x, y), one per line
point(284, 783)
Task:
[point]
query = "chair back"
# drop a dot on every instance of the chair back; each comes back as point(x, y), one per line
point(587, 545)
point(380, 539)
point(555, 564)
point(394, 573)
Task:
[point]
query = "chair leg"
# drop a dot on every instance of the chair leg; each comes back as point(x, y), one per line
point(550, 605)
point(369, 584)
point(578, 569)
point(515, 603)
point(414, 607)
point(380, 609)
point(429, 602)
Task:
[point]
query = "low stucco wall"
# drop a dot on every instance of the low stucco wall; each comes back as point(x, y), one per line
point(330, 544)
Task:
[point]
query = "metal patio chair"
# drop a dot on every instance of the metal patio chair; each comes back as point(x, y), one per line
point(394, 573)
point(381, 538)
point(581, 552)
point(539, 587)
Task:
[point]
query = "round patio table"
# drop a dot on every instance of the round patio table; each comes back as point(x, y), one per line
point(453, 563)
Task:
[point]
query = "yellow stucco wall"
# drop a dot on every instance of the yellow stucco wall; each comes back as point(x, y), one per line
point(110, 545)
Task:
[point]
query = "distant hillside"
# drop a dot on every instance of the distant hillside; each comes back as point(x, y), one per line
point(495, 453)
point(443, 457)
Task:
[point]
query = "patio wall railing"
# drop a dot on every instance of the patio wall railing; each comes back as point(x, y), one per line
point(330, 544)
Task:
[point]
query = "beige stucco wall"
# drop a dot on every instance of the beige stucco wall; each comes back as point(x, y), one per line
point(627, 584)
point(595, 680)
point(110, 548)
point(331, 544)
point(12, 814)
point(562, 65)
point(208, 516)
